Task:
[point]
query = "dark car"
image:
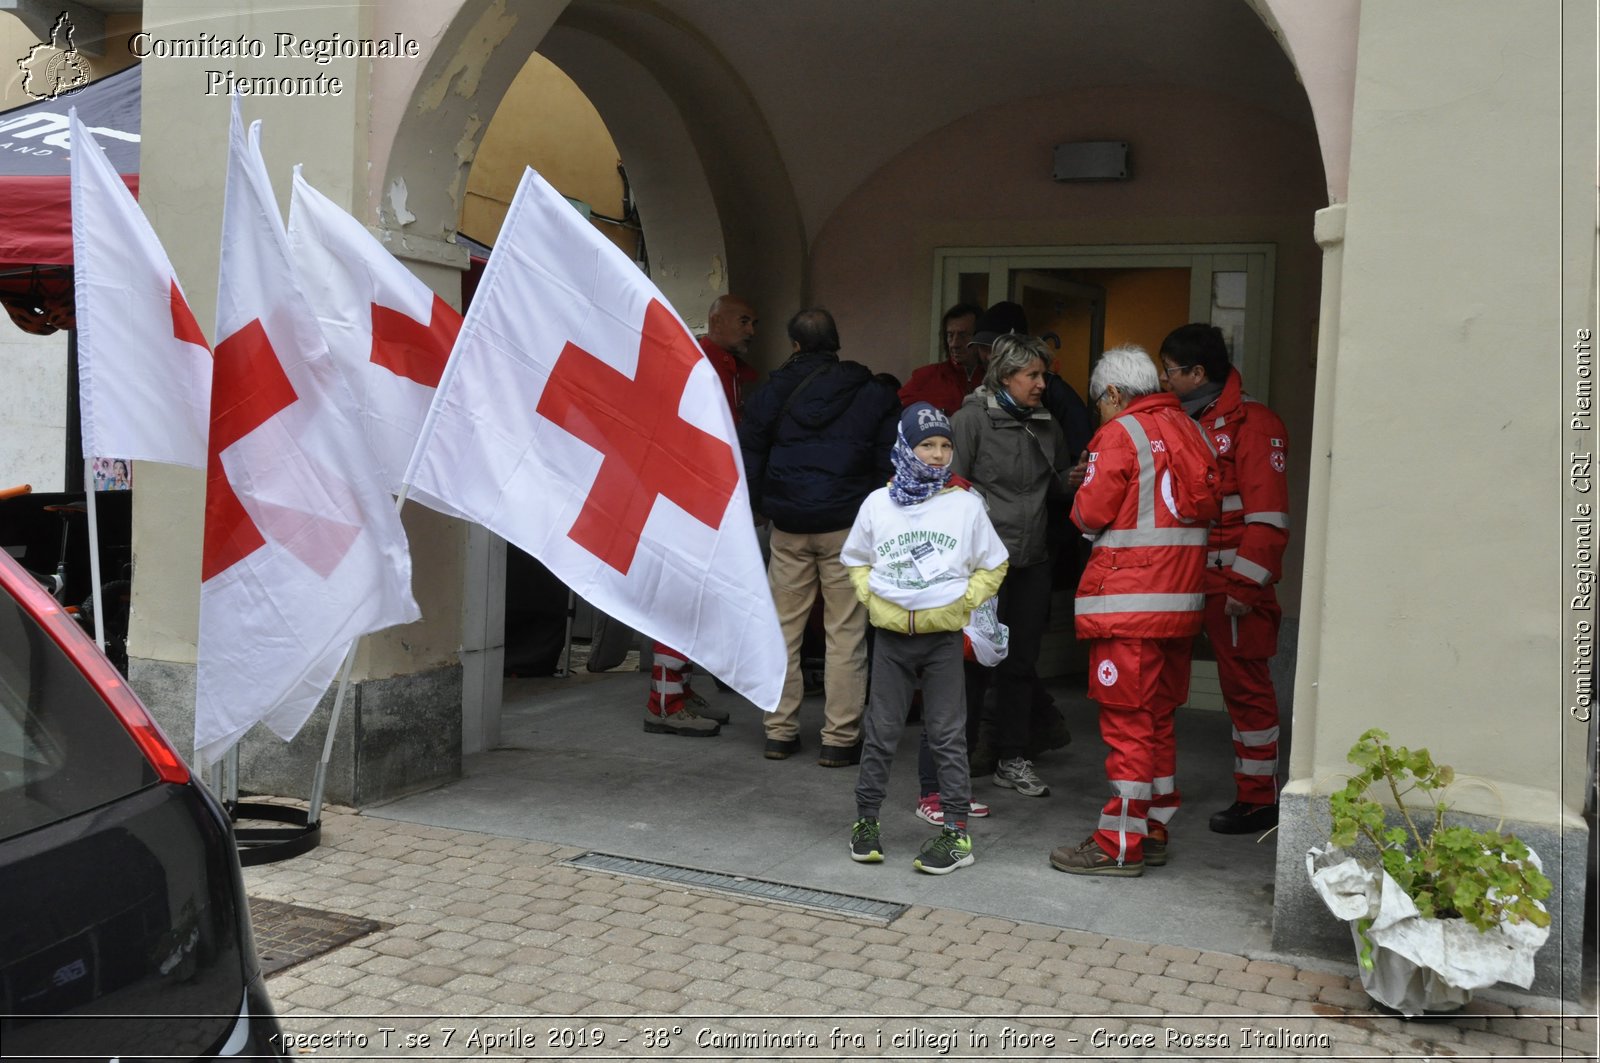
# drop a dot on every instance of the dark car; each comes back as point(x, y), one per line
point(126, 930)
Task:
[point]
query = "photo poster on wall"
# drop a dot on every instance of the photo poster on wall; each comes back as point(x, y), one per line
point(113, 474)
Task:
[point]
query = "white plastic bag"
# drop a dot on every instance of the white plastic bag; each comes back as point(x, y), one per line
point(990, 639)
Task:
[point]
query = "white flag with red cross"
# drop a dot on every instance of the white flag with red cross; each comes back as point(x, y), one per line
point(144, 369)
point(579, 419)
point(303, 551)
point(389, 333)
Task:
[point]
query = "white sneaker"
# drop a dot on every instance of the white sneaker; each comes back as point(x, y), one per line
point(1017, 774)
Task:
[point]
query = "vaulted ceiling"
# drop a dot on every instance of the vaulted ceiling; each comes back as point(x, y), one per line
point(880, 76)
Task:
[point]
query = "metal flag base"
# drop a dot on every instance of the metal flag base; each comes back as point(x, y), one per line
point(268, 845)
point(302, 827)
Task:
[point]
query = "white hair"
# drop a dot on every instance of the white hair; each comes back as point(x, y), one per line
point(1128, 369)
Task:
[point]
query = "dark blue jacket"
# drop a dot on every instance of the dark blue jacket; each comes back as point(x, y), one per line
point(1070, 412)
point(811, 465)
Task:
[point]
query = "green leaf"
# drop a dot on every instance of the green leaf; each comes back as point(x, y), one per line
point(1453, 871)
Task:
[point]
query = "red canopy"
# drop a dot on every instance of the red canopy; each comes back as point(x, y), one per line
point(36, 192)
point(36, 219)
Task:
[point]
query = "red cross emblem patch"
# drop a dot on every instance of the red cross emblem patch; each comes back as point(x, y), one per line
point(650, 452)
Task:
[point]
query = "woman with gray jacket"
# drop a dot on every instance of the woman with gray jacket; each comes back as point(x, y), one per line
point(1010, 448)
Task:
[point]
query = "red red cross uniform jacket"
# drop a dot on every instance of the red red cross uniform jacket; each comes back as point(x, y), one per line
point(1140, 604)
point(734, 373)
point(1145, 575)
point(1244, 562)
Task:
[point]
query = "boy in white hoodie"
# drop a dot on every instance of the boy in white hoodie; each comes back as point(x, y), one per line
point(922, 555)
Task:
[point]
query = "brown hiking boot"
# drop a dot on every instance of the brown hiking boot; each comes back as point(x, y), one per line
point(1155, 845)
point(1089, 859)
point(683, 722)
point(701, 707)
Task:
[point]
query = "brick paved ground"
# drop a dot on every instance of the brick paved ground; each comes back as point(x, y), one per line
point(495, 948)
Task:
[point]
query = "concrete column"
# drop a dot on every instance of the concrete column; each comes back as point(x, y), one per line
point(1439, 467)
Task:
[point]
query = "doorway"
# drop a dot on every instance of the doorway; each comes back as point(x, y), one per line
point(1083, 300)
point(1091, 298)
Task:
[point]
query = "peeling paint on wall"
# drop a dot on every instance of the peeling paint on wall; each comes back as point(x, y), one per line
point(397, 202)
point(466, 151)
point(466, 66)
point(467, 146)
point(717, 279)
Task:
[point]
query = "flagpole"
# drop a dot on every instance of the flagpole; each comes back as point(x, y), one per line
point(94, 557)
point(320, 779)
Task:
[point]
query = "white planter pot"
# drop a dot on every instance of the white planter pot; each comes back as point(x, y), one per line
point(1419, 964)
point(1403, 985)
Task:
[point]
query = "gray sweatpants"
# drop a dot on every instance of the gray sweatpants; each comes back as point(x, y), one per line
point(895, 661)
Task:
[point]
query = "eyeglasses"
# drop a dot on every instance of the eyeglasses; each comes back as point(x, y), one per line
point(1169, 370)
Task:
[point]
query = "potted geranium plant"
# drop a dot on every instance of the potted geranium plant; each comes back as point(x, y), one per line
point(1436, 911)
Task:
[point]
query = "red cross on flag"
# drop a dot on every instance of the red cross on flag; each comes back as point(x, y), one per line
point(579, 419)
point(144, 370)
point(303, 550)
point(388, 331)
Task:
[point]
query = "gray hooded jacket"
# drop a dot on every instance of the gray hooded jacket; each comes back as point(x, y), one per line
point(1016, 464)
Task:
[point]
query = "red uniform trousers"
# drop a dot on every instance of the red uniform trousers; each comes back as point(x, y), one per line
point(1244, 645)
point(669, 680)
point(1139, 684)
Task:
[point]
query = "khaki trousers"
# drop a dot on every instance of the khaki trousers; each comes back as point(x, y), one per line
point(803, 566)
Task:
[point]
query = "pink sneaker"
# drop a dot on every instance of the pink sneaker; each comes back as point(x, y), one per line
point(928, 809)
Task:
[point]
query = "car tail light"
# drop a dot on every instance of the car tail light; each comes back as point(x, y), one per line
point(99, 671)
point(149, 737)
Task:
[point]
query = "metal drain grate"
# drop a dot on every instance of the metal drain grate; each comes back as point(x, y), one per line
point(287, 934)
point(782, 893)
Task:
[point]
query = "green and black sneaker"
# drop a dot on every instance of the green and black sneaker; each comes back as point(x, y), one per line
point(946, 851)
point(865, 848)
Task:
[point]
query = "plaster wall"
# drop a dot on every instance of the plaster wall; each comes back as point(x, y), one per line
point(1436, 623)
point(1205, 170)
point(718, 204)
point(688, 259)
point(33, 409)
point(1320, 39)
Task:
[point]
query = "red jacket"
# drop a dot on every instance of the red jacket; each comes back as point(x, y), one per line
point(734, 373)
point(1247, 541)
point(943, 385)
point(1146, 574)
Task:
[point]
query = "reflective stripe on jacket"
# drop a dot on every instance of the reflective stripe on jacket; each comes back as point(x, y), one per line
point(1146, 574)
point(1248, 540)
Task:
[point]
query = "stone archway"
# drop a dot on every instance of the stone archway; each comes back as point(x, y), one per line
point(716, 204)
point(1320, 40)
